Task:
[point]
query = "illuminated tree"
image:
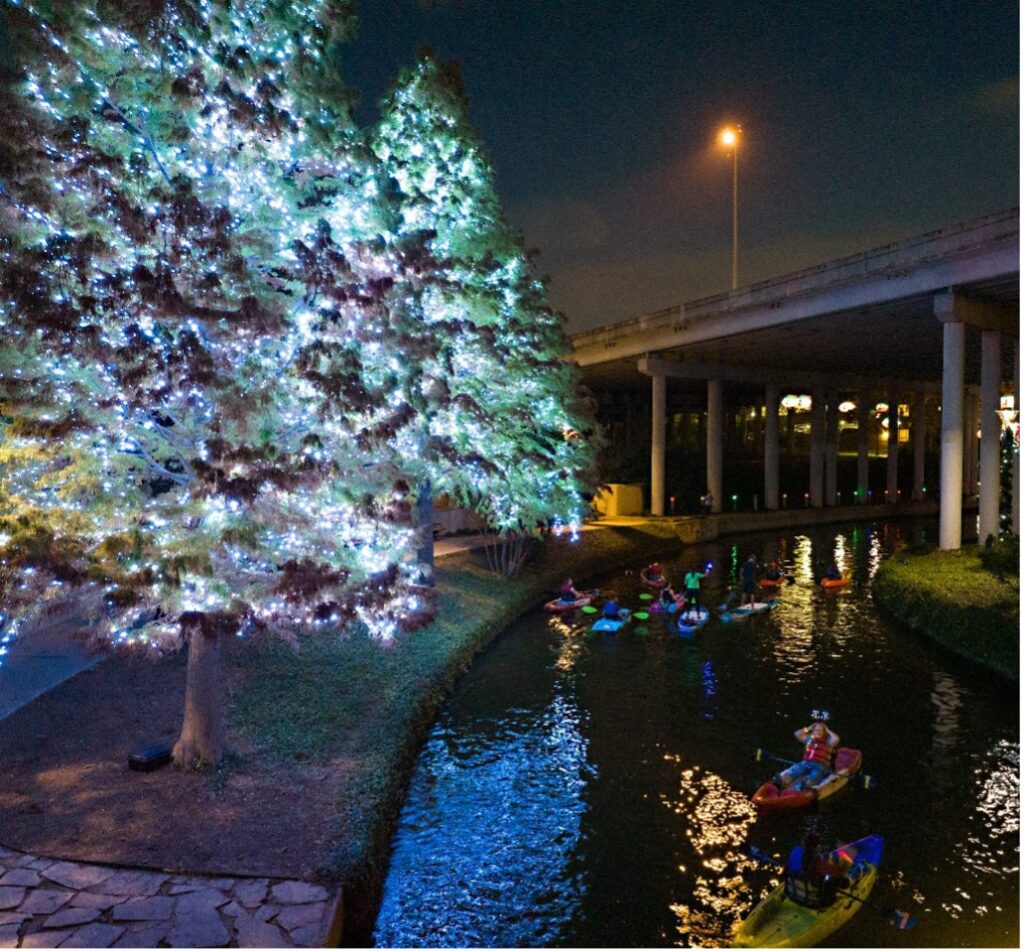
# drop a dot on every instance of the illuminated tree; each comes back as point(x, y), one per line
point(503, 424)
point(189, 442)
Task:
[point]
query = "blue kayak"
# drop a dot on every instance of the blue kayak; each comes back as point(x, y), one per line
point(689, 623)
point(608, 624)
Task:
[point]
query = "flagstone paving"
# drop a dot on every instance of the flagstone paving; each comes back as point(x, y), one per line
point(47, 904)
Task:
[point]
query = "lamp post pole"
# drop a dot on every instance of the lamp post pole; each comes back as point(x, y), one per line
point(730, 138)
point(735, 215)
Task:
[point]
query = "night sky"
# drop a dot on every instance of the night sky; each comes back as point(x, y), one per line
point(864, 122)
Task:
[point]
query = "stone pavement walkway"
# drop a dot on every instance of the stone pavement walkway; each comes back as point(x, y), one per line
point(47, 904)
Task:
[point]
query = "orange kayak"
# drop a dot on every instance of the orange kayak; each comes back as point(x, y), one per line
point(771, 582)
point(830, 583)
point(769, 798)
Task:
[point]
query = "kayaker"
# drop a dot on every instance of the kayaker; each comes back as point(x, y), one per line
point(748, 576)
point(611, 609)
point(568, 594)
point(812, 877)
point(820, 744)
point(832, 573)
point(653, 571)
point(667, 598)
point(772, 573)
point(691, 584)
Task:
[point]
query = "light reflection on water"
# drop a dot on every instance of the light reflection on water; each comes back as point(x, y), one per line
point(717, 821)
point(592, 790)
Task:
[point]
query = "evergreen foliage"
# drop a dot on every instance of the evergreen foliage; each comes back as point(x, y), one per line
point(503, 432)
point(234, 333)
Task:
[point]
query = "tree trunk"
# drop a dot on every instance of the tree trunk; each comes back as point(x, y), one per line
point(425, 521)
point(202, 731)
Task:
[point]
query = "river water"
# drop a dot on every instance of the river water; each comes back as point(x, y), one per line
point(585, 789)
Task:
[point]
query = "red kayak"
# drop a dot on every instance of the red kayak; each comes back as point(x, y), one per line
point(653, 581)
point(831, 583)
point(558, 605)
point(770, 798)
point(772, 582)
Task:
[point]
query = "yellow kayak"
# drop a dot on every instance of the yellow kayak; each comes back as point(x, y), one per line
point(778, 922)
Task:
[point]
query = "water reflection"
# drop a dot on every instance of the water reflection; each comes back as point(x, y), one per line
point(490, 823)
point(717, 819)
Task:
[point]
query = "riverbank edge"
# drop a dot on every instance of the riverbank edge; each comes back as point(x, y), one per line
point(951, 599)
point(609, 548)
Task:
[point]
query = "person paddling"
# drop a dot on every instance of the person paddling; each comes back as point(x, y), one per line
point(611, 609)
point(820, 744)
point(812, 877)
point(568, 594)
point(667, 599)
point(772, 573)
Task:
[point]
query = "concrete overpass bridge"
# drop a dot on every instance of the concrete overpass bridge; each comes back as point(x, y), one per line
point(934, 318)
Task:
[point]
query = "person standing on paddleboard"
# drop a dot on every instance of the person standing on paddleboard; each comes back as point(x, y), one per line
point(748, 576)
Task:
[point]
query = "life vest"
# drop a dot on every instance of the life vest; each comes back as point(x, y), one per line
point(818, 751)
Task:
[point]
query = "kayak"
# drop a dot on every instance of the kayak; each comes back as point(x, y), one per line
point(688, 624)
point(653, 581)
point(747, 610)
point(671, 608)
point(772, 582)
point(770, 799)
point(609, 624)
point(832, 583)
point(559, 606)
point(779, 922)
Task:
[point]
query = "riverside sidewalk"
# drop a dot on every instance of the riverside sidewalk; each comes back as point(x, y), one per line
point(48, 904)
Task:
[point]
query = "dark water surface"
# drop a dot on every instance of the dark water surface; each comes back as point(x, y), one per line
point(587, 789)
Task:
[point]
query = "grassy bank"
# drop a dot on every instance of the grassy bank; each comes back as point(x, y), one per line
point(955, 600)
point(371, 706)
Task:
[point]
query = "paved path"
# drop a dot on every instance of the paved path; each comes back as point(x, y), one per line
point(47, 904)
point(37, 662)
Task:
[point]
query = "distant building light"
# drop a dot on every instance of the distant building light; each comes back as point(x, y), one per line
point(794, 401)
point(846, 406)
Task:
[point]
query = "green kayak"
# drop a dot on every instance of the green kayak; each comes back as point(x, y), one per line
point(778, 922)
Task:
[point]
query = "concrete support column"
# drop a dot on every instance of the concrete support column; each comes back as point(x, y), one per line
point(658, 444)
point(970, 468)
point(817, 446)
point(988, 472)
point(951, 464)
point(892, 452)
point(831, 448)
point(918, 433)
point(862, 447)
point(714, 443)
point(771, 447)
point(1015, 519)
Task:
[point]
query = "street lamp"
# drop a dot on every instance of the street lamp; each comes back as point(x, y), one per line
point(730, 138)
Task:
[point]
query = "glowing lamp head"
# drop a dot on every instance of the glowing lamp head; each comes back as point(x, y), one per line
point(729, 137)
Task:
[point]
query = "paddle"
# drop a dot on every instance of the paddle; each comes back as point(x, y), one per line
point(862, 780)
point(643, 616)
point(646, 597)
point(895, 917)
point(590, 610)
